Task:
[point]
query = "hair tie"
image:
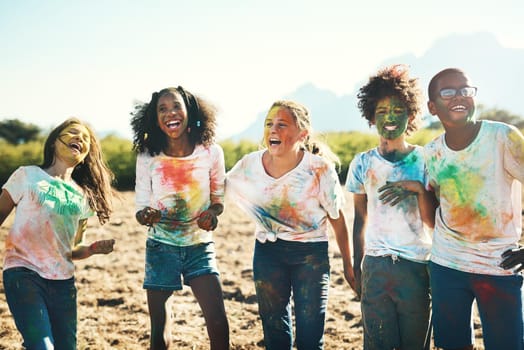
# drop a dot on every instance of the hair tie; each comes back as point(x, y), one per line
point(191, 103)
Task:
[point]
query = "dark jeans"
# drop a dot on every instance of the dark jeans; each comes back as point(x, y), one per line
point(499, 301)
point(44, 310)
point(282, 269)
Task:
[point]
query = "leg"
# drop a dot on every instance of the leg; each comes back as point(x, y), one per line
point(62, 313)
point(379, 312)
point(273, 289)
point(310, 281)
point(499, 299)
point(162, 277)
point(208, 293)
point(160, 318)
point(413, 303)
point(25, 295)
point(452, 301)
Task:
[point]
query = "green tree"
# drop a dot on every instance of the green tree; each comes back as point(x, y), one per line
point(500, 115)
point(493, 113)
point(17, 132)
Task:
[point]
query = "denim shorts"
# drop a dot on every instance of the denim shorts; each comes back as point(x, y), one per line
point(499, 300)
point(167, 264)
point(44, 310)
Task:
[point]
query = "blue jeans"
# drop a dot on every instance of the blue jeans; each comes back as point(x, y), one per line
point(499, 300)
point(395, 303)
point(282, 269)
point(44, 310)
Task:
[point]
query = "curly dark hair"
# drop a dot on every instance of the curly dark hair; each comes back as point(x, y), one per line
point(92, 174)
point(149, 137)
point(391, 81)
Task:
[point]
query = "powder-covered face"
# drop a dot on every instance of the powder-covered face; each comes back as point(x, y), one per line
point(172, 115)
point(391, 117)
point(281, 133)
point(73, 144)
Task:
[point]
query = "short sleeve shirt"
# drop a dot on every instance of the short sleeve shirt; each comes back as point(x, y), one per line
point(293, 207)
point(48, 211)
point(479, 189)
point(391, 230)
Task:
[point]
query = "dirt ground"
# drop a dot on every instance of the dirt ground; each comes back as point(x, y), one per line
point(112, 309)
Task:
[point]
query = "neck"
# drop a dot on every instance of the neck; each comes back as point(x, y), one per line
point(179, 148)
point(60, 170)
point(276, 166)
point(461, 137)
point(394, 150)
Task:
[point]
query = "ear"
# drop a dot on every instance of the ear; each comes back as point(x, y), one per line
point(303, 135)
point(432, 108)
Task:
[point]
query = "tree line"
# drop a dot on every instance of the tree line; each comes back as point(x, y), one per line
point(22, 144)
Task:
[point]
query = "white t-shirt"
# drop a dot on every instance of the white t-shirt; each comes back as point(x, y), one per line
point(181, 188)
point(391, 230)
point(293, 207)
point(479, 189)
point(48, 211)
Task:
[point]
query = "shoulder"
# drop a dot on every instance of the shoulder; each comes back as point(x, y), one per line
point(365, 157)
point(214, 149)
point(317, 163)
point(249, 159)
point(499, 127)
point(28, 171)
point(434, 144)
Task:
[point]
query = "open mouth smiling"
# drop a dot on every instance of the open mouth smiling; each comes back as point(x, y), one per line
point(274, 142)
point(390, 127)
point(459, 108)
point(75, 146)
point(173, 124)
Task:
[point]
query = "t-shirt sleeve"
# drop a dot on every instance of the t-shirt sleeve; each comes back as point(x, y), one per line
point(355, 177)
point(15, 184)
point(331, 195)
point(143, 181)
point(217, 175)
point(514, 153)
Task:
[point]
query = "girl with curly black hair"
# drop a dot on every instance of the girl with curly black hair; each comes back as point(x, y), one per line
point(180, 176)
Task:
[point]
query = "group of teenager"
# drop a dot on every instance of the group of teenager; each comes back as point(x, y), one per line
point(435, 228)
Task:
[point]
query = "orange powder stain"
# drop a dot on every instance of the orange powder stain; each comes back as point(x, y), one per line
point(479, 228)
point(177, 174)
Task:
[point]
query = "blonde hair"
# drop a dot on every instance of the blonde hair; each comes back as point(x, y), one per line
point(303, 121)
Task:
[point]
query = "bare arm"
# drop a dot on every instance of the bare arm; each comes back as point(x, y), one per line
point(6, 205)
point(360, 202)
point(342, 237)
point(104, 246)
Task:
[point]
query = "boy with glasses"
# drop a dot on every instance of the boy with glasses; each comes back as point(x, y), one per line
point(476, 170)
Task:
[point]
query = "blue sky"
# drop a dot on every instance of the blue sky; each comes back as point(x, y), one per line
point(94, 59)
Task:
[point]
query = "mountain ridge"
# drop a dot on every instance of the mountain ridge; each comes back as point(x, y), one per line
point(497, 74)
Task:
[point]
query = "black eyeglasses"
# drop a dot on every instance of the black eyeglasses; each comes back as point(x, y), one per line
point(467, 91)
